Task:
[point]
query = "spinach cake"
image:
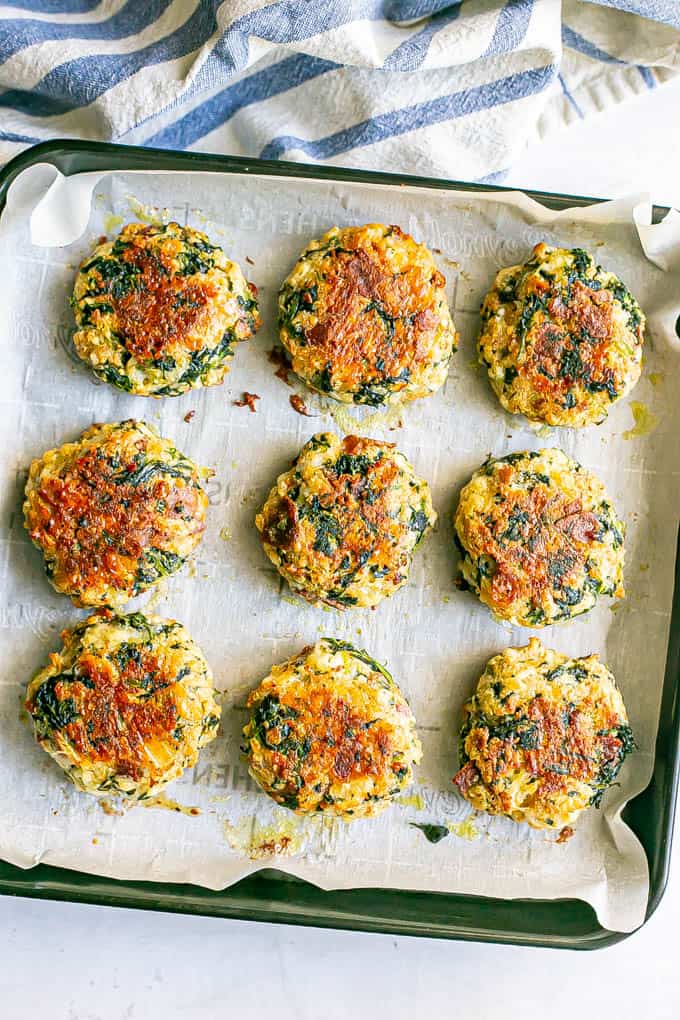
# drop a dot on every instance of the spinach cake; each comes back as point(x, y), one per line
point(561, 338)
point(364, 317)
point(542, 737)
point(341, 526)
point(540, 538)
point(331, 732)
point(126, 705)
point(114, 512)
point(160, 310)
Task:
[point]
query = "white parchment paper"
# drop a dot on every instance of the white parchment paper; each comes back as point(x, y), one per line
point(434, 638)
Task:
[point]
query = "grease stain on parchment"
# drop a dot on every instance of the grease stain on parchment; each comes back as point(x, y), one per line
point(389, 419)
point(282, 834)
point(413, 800)
point(645, 421)
point(112, 223)
point(465, 829)
point(168, 804)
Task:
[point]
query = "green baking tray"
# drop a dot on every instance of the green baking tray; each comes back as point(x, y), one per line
point(272, 896)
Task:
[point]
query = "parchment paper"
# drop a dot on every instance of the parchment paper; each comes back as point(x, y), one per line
point(434, 638)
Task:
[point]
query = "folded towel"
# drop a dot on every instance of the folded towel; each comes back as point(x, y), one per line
point(453, 89)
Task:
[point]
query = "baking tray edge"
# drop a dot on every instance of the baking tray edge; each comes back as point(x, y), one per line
point(271, 896)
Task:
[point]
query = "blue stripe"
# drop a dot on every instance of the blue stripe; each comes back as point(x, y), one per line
point(410, 55)
point(18, 33)
point(497, 177)
point(511, 27)
point(568, 96)
point(665, 11)
point(79, 82)
point(283, 22)
point(261, 85)
point(53, 6)
point(582, 45)
point(647, 76)
point(10, 136)
point(414, 10)
point(420, 115)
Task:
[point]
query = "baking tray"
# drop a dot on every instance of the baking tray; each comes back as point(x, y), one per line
point(272, 896)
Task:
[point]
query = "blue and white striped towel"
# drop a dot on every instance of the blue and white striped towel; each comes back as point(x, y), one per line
point(437, 87)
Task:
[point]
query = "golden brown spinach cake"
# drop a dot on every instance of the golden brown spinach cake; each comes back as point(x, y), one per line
point(364, 317)
point(561, 338)
point(342, 525)
point(542, 737)
point(160, 310)
point(114, 512)
point(331, 732)
point(126, 705)
point(540, 538)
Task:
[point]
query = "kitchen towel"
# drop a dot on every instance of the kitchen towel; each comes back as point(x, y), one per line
point(453, 89)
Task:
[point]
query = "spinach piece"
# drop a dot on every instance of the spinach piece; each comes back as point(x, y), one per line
point(357, 653)
point(533, 305)
point(608, 523)
point(516, 521)
point(582, 261)
point(606, 385)
point(419, 521)
point(327, 528)
point(575, 671)
point(323, 380)
point(349, 464)
point(145, 470)
point(126, 653)
point(374, 393)
point(508, 728)
point(118, 277)
point(535, 615)
point(510, 458)
point(270, 714)
point(200, 362)
point(571, 364)
point(193, 262)
point(375, 306)
point(610, 769)
point(319, 442)
point(57, 712)
point(110, 374)
point(247, 304)
point(156, 563)
point(621, 293)
point(432, 833)
point(86, 311)
point(165, 364)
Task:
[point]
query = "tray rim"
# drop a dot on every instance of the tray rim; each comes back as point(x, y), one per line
point(566, 923)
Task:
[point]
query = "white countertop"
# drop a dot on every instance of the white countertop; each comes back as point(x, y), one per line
point(73, 962)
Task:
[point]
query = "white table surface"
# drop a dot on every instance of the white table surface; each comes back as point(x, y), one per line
point(72, 962)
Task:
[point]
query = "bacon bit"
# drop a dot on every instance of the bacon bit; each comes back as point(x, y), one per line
point(298, 404)
point(251, 262)
point(248, 400)
point(253, 289)
point(566, 833)
point(466, 777)
point(102, 239)
point(188, 416)
point(277, 357)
